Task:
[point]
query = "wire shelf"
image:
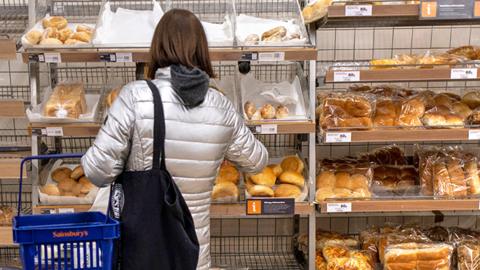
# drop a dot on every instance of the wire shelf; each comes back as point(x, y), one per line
point(10, 257)
point(13, 17)
point(14, 137)
point(9, 194)
point(212, 11)
point(15, 92)
point(96, 77)
point(76, 145)
point(253, 252)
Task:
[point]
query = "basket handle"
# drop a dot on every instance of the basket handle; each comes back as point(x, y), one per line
point(54, 156)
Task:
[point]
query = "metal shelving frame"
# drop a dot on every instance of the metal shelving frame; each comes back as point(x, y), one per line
point(257, 250)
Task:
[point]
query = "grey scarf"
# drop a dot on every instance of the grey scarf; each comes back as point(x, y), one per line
point(190, 84)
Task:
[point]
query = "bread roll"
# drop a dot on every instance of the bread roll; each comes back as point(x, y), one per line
point(386, 108)
point(457, 178)
point(257, 116)
point(112, 96)
point(33, 37)
point(413, 107)
point(471, 171)
point(358, 107)
point(277, 169)
point(252, 39)
point(50, 189)
point(343, 180)
point(274, 34)
point(291, 177)
point(454, 120)
point(261, 191)
point(409, 121)
point(472, 99)
point(461, 109)
point(287, 191)
point(82, 36)
point(249, 183)
point(358, 181)
point(64, 34)
point(66, 185)
point(434, 119)
point(324, 193)
point(224, 189)
point(51, 33)
point(61, 174)
point(293, 163)
point(86, 185)
point(384, 121)
point(361, 193)
point(67, 100)
point(325, 179)
point(85, 28)
point(266, 177)
point(77, 189)
point(267, 111)
point(71, 41)
point(441, 180)
point(77, 173)
point(249, 109)
point(51, 41)
point(55, 21)
point(228, 173)
point(342, 193)
point(281, 112)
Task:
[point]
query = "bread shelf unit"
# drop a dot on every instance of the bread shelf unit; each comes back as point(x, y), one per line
point(337, 11)
point(403, 135)
point(414, 74)
point(304, 56)
point(401, 205)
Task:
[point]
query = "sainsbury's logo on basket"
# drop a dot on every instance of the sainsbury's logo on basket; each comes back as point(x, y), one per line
point(62, 234)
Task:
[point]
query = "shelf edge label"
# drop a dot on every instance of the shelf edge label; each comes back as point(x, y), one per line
point(52, 58)
point(346, 76)
point(271, 56)
point(344, 207)
point(358, 10)
point(53, 131)
point(270, 206)
point(463, 73)
point(66, 210)
point(267, 129)
point(124, 57)
point(474, 134)
point(338, 137)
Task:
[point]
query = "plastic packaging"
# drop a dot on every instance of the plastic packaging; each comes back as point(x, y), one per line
point(391, 180)
point(447, 111)
point(468, 255)
point(427, 60)
point(418, 256)
point(345, 180)
point(387, 155)
point(339, 257)
point(347, 110)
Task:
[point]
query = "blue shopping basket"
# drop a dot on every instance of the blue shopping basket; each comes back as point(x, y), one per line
point(64, 241)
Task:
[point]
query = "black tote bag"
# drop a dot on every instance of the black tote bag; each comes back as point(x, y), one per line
point(157, 229)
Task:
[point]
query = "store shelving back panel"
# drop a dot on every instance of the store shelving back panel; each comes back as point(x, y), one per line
point(13, 17)
point(212, 11)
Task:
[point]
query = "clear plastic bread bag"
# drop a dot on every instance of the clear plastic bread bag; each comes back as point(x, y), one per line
point(387, 155)
point(390, 180)
point(67, 100)
point(369, 241)
point(347, 110)
point(468, 255)
point(343, 257)
point(412, 255)
point(447, 111)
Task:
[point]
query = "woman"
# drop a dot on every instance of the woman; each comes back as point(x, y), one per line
point(202, 125)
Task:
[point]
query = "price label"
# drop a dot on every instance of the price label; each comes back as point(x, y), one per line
point(53, 132)
point(338, 137)
point(339, 207)
point(47, 211)
point(267, 129)
point(463, 73)
point(66, 210)
point(358, 10)
point(52, 58)
point(346, 76)
point(474, 134)
point(124, 57)
point(271, 56)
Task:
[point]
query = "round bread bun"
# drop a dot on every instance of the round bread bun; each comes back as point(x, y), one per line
point(224, 189)
point(277, 169)
point(266, 177)
point(82, 36)
point(281, 112)
point(325, 179)
point(267, 111)
point(77, 173)
point(58, 22)
point(287, 191)
point(342, 193)
point(51, 33)
point(228, 173)
point(257, 116)
point(66, 185)
point(72, 41)
point(292, 163)
point(249, 109)
point(472, 99)
point(361, 193)
point(294, 178)
point(358, 107)
point(87, 184)
point(77, 189)
point(261, 191)
point(433, 119)
point(324, 193)
point(51, 41)
point(343, 180)
point(33, 37)
point(61, 174)
point(50, 189)
point(413, 107)
point(358, 181)
point(64, 34)
point(461, 109)
point(85, 28)
point(249, 183)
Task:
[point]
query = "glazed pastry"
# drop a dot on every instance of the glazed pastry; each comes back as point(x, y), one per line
point(267, 111)
point(55, 22)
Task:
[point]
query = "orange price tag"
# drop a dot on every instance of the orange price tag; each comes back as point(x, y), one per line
point(476, 9)
point(254, 207)
point(429, 9)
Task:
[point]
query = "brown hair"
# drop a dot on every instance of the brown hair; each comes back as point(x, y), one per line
point(179, 39)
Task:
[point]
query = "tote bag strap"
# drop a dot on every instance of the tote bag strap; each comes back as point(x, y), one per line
point(158, 129)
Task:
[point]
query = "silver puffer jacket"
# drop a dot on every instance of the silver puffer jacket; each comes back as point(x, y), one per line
point(197, 141)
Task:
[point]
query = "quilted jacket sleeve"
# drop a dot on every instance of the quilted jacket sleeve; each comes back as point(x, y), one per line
point(245, 150)
point(106, 158)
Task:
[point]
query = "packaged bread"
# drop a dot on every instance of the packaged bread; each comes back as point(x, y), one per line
point(339, 181)
point(399, 235)
point(468, 255)
point(389, 180)
point(418, 256)
point(315, 10)
point(340, 257)
point(347, 110)
point(324, 238)
point(447, 112)
point(6, 215)
point(368, 241)
point(387, 111)
point(384, 91)
point(411, 112)
point(469, 52)
point(387, 155)
point(66, 101)
point(472, 99)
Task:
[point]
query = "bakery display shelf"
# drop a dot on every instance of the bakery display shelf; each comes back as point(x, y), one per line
point(398, 205)
point(90, 54)
point(232, 210)
point(6, 237)
point(58, 209)
point(399, 135)
point(12, 108)
point(412, 74)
